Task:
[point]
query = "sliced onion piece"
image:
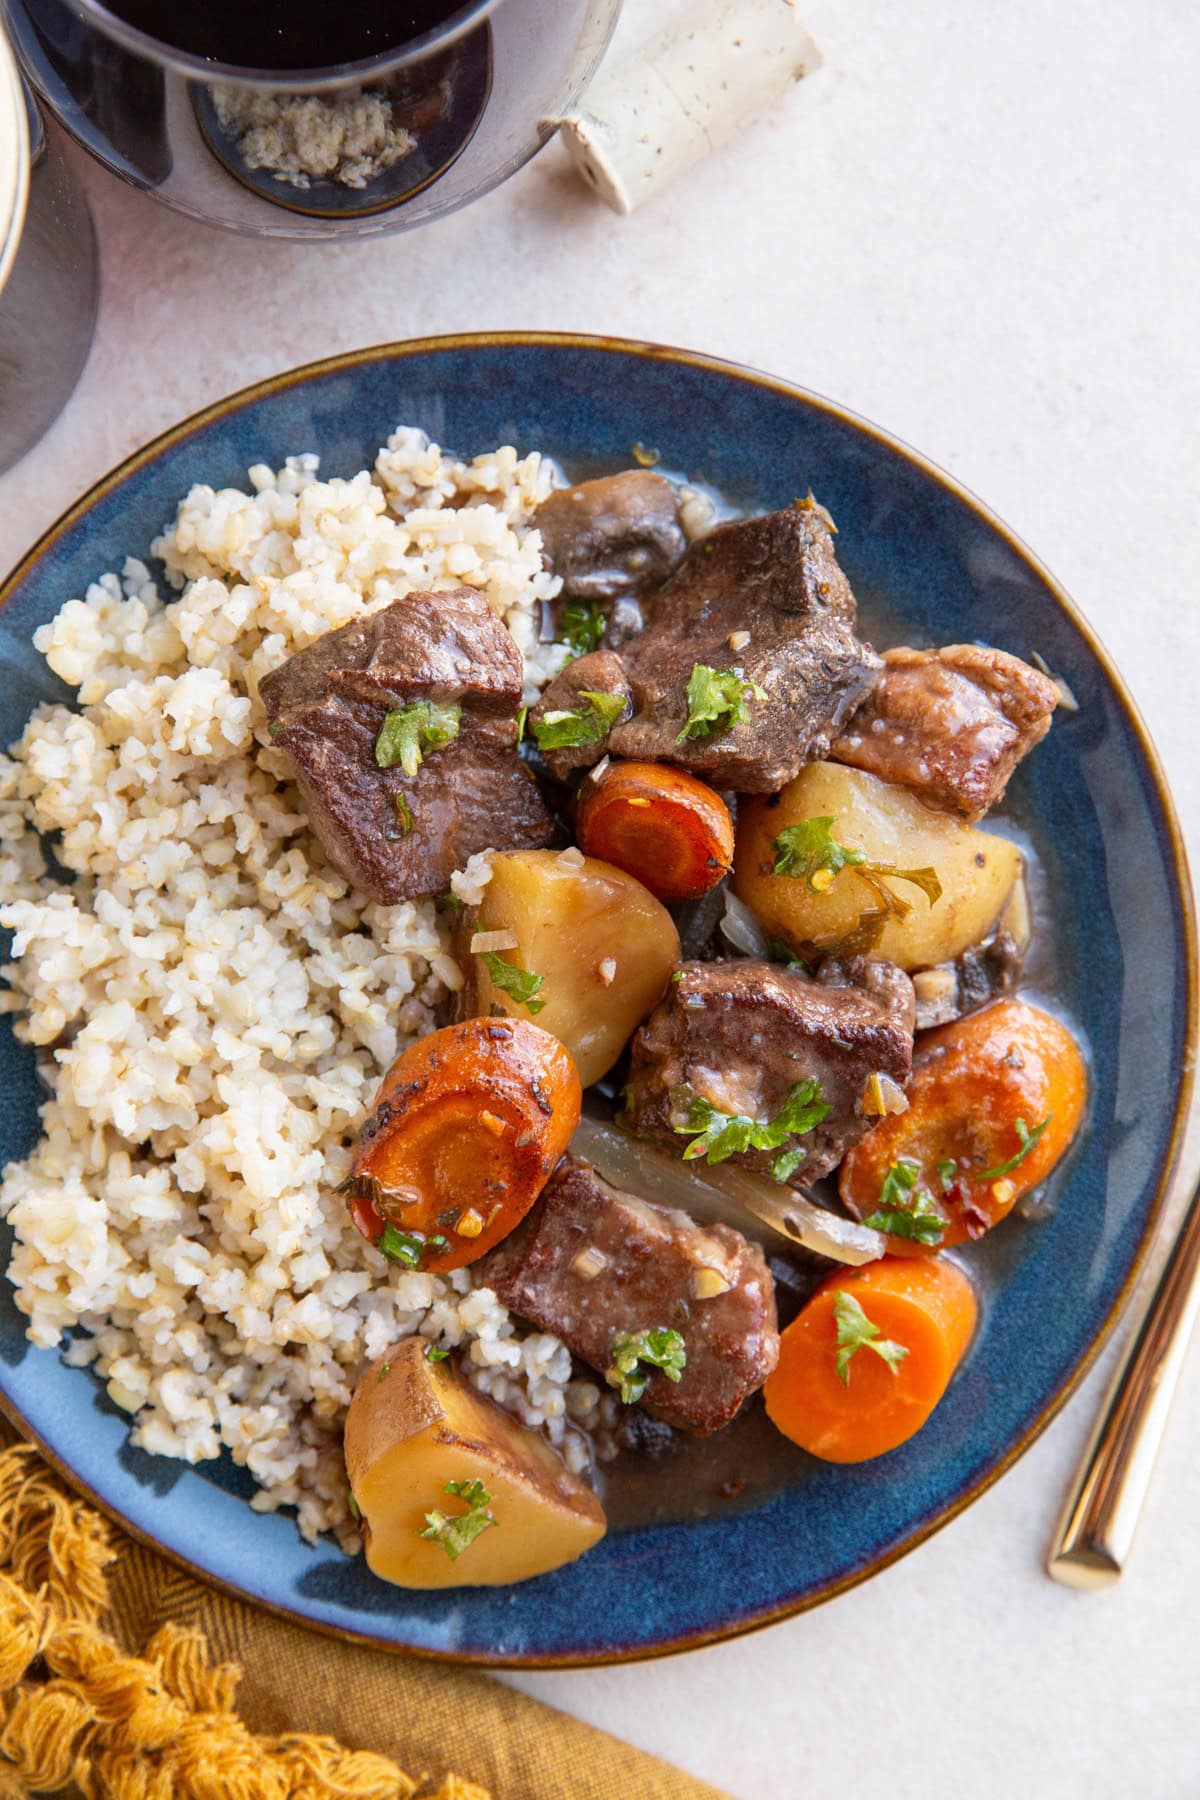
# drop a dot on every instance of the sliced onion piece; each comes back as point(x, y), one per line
point(797, 1217)
point(1016, 917)
point(484, 941)
point(752, 1204)
point(743, 930)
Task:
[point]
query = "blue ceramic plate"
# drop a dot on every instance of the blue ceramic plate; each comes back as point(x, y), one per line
point(917, 549)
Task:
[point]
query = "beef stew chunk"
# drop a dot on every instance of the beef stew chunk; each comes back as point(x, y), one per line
point(952, 724)
point(742, 1035)
point(593, 1265)
point(392, 834)
point(763, 602)
point(613, 537)
point(983, 973)
point(600, 673)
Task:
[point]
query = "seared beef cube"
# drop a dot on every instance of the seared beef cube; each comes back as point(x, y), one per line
point(742, 1035)
point(980, 975)
point(395, 835)
point(592, 1265)
point(600, 673)
point(776, 579)
point(612, 537)
point(952, 724)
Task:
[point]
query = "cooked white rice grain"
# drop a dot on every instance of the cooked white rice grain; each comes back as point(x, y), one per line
point(214, 1006)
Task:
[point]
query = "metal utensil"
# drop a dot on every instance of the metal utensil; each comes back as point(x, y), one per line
point(1100, 1517)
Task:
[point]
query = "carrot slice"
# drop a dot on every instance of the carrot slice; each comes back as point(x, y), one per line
point(667, 828)
point(464, 1134)
point(899, 1329)
point(994, 1102)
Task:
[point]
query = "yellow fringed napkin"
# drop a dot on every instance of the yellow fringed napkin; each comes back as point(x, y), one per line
point(122, 1678)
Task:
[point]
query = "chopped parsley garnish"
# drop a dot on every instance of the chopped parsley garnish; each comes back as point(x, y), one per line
point(947, 1171)
point(582, 627)
point(722, 1135)
point(521, 718)
point(405, 817)
point(409, 732)
point(717, 699)
point(385, 1370)
point(658, 1348)
point(906, 1210)
point(352, 1503)
point(522, 984)
point(780, 952)
point(406, 1247)
point(1027, 1139)
point(810, 850)
point(571, 730)
point(856, 1332)
point(435, 1353)
point(458, 1533)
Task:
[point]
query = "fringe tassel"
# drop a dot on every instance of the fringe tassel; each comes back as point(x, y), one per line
point(75, 1709)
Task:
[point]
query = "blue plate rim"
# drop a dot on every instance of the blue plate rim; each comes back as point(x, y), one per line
point(1176, 863)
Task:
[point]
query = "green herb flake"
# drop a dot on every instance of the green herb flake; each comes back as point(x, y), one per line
point(451, 902)
point(435, 1354)
point(946, 1173)
point(905, 1209)
point(352, 1503)
point(717, 700)
point(1027, 1139)
point(657, 1348)
point(582, 627)
point(716, 1136)
point(405, 817)
point(588, 725)
point(856, 1332)
point(522, 984)
point(459, 1532)
point(385, 1370)
point(810, 851)
point(783, 953)
point(406, 1247)
point(410, 731)
point(521, 718)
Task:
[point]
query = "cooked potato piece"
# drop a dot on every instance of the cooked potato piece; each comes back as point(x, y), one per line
point(602, 945)
point(976, 869)
point(415, 1427)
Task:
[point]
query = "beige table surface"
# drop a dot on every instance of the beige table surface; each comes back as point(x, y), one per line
point(978, 226)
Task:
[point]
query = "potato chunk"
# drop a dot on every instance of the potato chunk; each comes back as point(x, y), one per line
point(602, 944)
point(894, 828)
point(416, 1426)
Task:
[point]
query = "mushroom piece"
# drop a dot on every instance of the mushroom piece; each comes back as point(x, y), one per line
point(980, 975)
point(612, 537)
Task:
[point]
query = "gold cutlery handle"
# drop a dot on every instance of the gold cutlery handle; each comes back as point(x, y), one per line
point(1100, 1517)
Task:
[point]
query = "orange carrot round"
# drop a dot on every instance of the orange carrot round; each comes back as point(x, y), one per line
point(464, 1134)
point(865, 1363)
point(660, 824)
point(994, 1102)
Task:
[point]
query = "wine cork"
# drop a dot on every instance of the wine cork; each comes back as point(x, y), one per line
point(689, 90)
